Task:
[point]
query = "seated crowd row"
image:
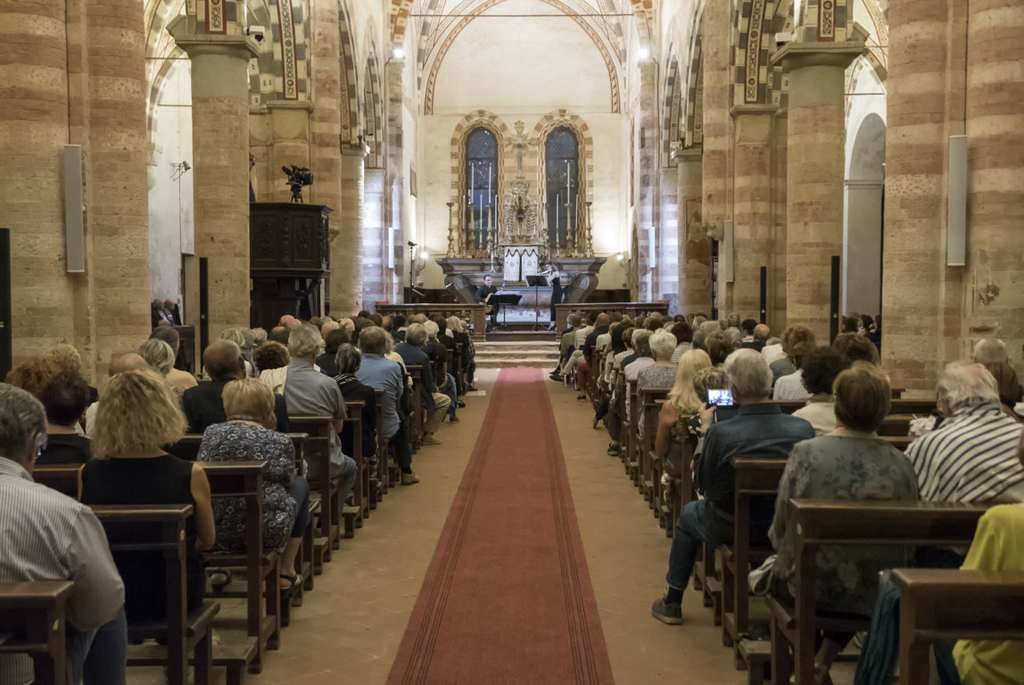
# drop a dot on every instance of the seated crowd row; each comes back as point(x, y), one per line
point(730, 392)
point(126, 438)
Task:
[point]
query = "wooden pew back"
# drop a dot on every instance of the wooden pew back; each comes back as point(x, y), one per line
point(64, 478)
point(33, 617)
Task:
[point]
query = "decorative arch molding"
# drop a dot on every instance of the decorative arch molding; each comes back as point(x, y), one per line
point(643, 12)
point(610, 60)
point(373, 110)
point(477, 119)
point(537, 149)
point(694, 105)
point(672, 108)
point(283, 65)
point(756, 22)
point(349, 86)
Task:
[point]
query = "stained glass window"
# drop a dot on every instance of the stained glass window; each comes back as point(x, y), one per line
point(562, 157)
point(481, 188)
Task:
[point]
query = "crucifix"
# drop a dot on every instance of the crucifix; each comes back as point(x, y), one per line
point(519, 143)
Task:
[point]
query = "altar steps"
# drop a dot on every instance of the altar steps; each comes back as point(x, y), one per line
point(519, 353)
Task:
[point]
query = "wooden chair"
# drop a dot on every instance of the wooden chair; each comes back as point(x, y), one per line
point(64, 478)
point(147, 529)
point(33, 616)
point(260, 588)
point(988, 605)
point(819, 522)
point(755, 479)
point(317, 453)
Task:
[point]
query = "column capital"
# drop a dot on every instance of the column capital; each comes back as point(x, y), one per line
point(303, 105)
point(186, 35)
point(753, 110)
point(361, 150)
point(690, 154)
point(800, 54)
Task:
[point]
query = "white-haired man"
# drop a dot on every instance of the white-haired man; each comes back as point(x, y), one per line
point(413, 353)
point(759, 429)
point(307, 392)
point(972, 456)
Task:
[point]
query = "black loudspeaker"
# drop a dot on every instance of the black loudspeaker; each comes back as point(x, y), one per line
point(833, 299)
point(6, 331)
point(204, 304)
point(764, 294)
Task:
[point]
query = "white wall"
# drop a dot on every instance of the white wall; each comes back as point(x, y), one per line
point(171, 218)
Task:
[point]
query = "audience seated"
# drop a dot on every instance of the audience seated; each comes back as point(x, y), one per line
point(856, 348)
point(759, 429)
point(662, 374)
point(138, 416)
point(204, 405)
point(718, 347)
point(820, 369)
point(436, 403)
point(641, 357)
point(335, 338)
point(278, 334)
point(244, 339)
point(440, 358)
point(387, 377)
point(271, 359)
point(67, 360)
point(675, 420)
point(348, 360)
point(170, 336)
point(65, 397)
point(684, 339)
point(160, 356)
point(248, 435)
point(849, 463)
point(796, 342)
point(307, 392)
point(972, 455)
point(120, 362)
point(48, 536)
point(457, 328)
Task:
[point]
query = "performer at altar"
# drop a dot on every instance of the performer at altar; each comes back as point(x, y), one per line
point(554, 277)
point(484, 294)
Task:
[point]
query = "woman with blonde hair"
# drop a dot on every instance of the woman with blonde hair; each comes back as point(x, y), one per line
point(248, 435)
point(161, 356)
point(683, 402)
point(137, 417)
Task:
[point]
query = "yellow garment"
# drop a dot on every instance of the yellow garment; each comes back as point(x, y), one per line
point(998, 546)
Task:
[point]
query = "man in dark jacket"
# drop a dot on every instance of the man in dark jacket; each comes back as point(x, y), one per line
point(436, 404)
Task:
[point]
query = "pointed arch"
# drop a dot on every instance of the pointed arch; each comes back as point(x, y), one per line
point(672, 108)
point(373, 110)
point(695, 89)
point(349, 87)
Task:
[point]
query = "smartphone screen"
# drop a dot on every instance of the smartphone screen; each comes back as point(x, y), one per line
point(720, 398)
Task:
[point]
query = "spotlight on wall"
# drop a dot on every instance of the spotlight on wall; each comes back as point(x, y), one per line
point(425, 255)
point(398, 53)
point(621, 256)
point(644, 53)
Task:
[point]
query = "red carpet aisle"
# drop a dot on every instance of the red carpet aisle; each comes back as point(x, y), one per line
point(507, 598)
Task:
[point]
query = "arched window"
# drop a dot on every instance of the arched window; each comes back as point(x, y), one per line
point(562, 177)
point(481, 208)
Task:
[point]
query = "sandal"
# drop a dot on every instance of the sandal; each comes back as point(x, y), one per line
point(293, 581)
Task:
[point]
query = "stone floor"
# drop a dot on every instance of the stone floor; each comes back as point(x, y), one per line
point(350, 628)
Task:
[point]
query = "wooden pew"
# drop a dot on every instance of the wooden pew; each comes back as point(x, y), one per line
point(755, 478)
point(417, 416)
point(633, 310)
point(34, 616)
point(988, 605)
point(260, 590)
point(318, 456)
point(630, 435)
point(64, 478)
point(379, 474)
point(649, 408)
point(819, 522)
point(353, 515)
point(477, 313)
point(163, 529)
point(682, 490)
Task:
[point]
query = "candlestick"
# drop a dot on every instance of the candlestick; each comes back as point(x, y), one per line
point(558, 208)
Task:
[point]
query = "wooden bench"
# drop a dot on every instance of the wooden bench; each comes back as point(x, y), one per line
point(148, 529)
point(988, 605)
point(820, 522)
point(354, 518)
point(649, 404)
point(417, 416)
point(318, 455)
point(64, 478)
point(629, 433)
point(477, 313)
point(755, 478)
point(260, 586)
point(682, 489)
point(634, 310)
point(34, 617)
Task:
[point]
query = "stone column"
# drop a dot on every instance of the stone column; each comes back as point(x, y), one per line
point(717, 146)
point(289, 146)
point(752, 206)
point(378, 280)
point(117, 258)
point(814, 194)
point(645, 212)
point(694, 245)
point(921, 297)
point(33, 129)
point(394, 184)
point(347, 245)
point(995, 129)
point(220, 139)
point(777, 272)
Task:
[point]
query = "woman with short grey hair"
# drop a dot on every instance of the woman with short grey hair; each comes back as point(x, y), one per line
point(749, 376)
point(662, 375)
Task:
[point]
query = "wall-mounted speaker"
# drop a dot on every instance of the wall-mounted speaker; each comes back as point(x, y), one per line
point(74, 226)
point(956, 217)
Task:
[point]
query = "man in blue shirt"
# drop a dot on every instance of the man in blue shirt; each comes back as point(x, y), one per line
point(759, 429)
point(385, 376)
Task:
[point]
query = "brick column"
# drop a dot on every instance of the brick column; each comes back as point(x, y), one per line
point(220, 140)
point(753, 127)
point(814, 194)
point(347, 246)
point(694, 246)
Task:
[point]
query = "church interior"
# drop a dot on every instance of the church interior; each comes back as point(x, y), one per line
point(410, 341)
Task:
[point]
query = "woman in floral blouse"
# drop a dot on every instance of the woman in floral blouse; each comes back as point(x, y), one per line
point(248, 436)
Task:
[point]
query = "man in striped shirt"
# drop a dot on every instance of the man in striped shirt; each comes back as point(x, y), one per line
point(972, 456)
point(48, 536)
